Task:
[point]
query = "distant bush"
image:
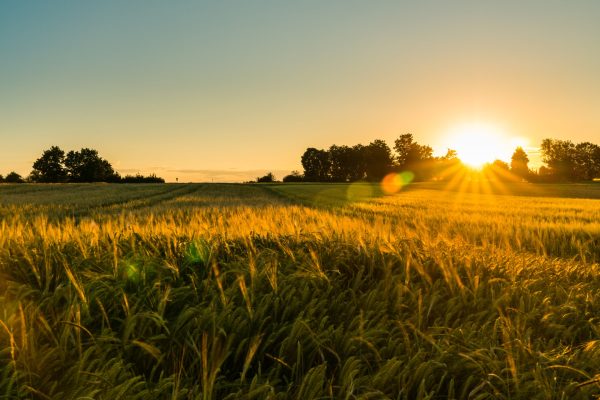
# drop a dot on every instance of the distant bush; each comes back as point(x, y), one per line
point(266, 179)
point(13, 177)
point(138, 178)
point(295, 176)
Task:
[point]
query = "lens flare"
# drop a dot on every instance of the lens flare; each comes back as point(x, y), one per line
point(394, 182)
point(359, 191)
point(131, 271)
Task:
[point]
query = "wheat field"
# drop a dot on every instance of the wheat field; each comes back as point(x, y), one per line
point(225, 291)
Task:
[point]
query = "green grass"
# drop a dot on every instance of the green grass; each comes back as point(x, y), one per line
point(327, 194)
point(298, 291)
point(566, 190)
point(341, 193)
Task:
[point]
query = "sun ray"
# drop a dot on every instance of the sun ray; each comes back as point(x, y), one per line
point(479, 143)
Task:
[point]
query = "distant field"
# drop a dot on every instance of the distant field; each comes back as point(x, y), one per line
point(342, 193)
point(299, 291)
point(570, 190)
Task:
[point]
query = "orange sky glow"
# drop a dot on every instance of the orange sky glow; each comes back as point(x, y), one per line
point(225, 92)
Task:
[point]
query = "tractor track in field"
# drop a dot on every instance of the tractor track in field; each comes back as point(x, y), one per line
point(112, 207)
point(138, 202)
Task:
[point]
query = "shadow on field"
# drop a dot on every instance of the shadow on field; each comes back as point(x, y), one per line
point(561, 190)
point(328, 195)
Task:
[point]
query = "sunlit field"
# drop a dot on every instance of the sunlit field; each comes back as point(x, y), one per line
point(299, 291)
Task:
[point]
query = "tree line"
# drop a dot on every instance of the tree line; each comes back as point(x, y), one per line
point(567, 161)
point(564, 161)
point(373, 161)
point(83, 166)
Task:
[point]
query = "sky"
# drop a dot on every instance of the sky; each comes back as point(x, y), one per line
point(227, 90)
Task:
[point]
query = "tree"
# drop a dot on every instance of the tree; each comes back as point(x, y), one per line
point(139, 178)
point(378, 159)
point(13, 177)
point(87, 166)
point(519, 162)
point(414, 157)
point(80, 166)
point(444, 168)
point(543, 175)
point(1, 178)
point(316, 165)
point(295, 176)
point(587, 161)
point(498, 170)
point(358, 163)
point(567, 161)
point(49, 167)
point(559, 155)
point(341, 163)
point(409, 152)
point(403, 146)
point(450, 155)
point(266, 179)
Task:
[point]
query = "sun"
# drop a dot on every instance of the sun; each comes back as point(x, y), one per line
point(479, 143)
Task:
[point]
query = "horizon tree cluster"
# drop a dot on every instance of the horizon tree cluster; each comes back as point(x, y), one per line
point(83, 166)
point(374, 161)
point(12, 177)
point(565, 162)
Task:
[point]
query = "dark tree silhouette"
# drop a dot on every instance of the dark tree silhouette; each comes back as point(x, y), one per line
point(412, 156)
point(80, 166)
point(379, 160)
point(519, 164)
point(410, 153)
point(1, 178)
point(587, 161)
point(544, 175)
point(295, 176)
point(374, 161)
point(49, 167)
point(403, 146)
point(138, 178)
point(316, 165)
point(269, 177)
point(87, 166)
point(559, 155)
point(341, 158)
point(565, 161)
point(445, 167)
point(13, 177)
point(450, 155)
point(569, 162)
point(358, 161)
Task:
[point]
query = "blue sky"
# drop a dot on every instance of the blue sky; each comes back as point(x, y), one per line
point(225, 90)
